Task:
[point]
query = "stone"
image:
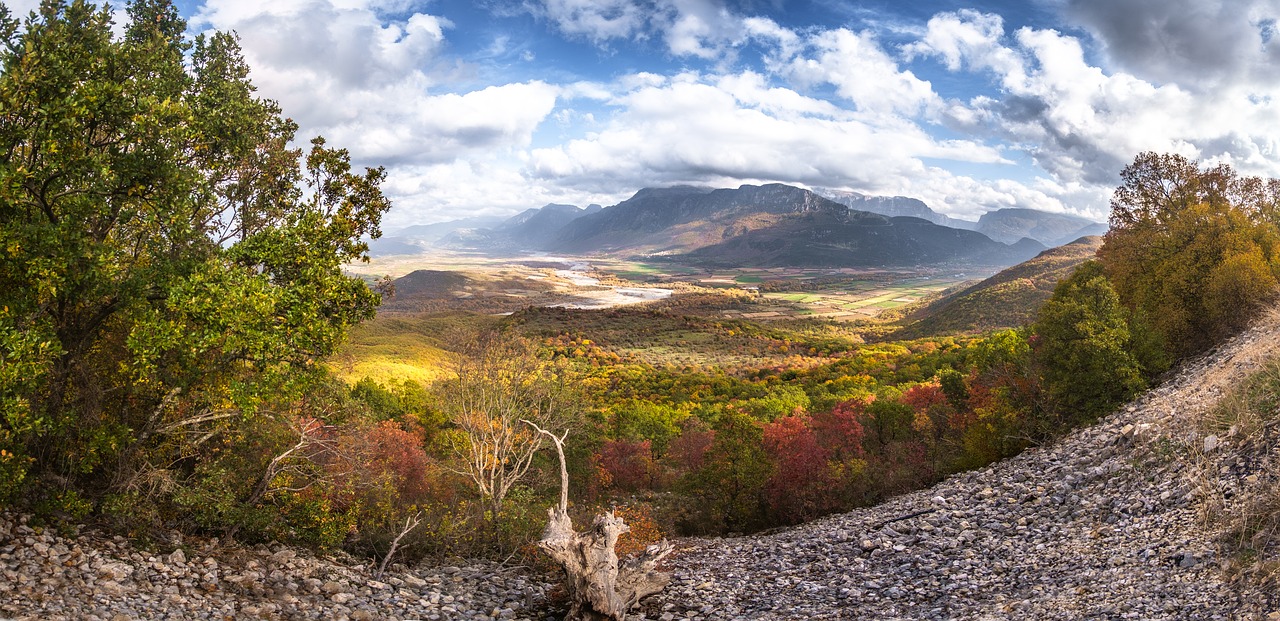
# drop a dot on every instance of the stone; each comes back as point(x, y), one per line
point(1211, 444)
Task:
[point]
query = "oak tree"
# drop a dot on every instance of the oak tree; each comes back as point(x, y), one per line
point(167, 258)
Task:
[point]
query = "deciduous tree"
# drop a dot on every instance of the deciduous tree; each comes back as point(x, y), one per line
point(166, 259)
point(499, 382)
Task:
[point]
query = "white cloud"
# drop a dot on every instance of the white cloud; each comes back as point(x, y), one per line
point(735, 128)
point(703, 29)
point(864, 73)
point(597, 20)
point(969, 40)
point(342, 70)
point(21, 8)
point(1081, 124)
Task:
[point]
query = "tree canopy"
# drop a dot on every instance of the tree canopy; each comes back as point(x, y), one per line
point(1197, 250)
point(170, 264)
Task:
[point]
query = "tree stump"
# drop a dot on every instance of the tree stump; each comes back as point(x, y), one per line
point(599, 588)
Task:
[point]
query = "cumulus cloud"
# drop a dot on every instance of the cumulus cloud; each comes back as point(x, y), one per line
point(597, 20)
point(342, 70)
point(863, 73)
point(1081, 124)
point(703, 29)
point(735, 128)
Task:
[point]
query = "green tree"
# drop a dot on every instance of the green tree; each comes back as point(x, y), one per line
point(166, 260)
point(730, 484)
point(1084, 348)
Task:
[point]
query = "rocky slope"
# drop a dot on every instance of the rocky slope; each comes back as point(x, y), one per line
point(89, 577)
point(1103, 524)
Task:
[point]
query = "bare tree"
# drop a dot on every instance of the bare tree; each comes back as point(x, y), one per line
point(410, 523)
point(499, 382)
point(600, 588)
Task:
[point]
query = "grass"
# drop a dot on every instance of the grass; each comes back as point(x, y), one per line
point(1248, 519)
point(400, 347)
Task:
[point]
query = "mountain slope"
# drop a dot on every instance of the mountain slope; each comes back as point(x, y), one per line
point(1104, 523)
point(1008, 299)
point(681, 218)
point(860, 239)
point(427, 233)
point(528, 230)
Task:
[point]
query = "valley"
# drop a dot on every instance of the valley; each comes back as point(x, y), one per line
point(498, 284)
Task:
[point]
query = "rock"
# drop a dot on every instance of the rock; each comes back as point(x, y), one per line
point(1211, 444)
point(342, 598)
point(178, 557)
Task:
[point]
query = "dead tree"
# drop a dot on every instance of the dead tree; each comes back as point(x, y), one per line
point(599, 588)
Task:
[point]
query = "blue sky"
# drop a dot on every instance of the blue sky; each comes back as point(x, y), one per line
point(493, 106)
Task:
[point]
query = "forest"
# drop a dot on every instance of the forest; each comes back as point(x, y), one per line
point(173, 302)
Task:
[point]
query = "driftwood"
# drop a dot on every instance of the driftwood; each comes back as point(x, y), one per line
point(908, 516)
point(599, 588)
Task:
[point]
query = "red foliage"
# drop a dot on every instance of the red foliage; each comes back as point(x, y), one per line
point(630, 464)
point(689, 450)
point(924, 397)
point(801, 484)
point(840, 431)
point(398, 453)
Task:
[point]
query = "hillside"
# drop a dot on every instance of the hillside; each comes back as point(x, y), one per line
point(681, 218)
point(860, 239)
point(1105, 523)
point(1010, 298)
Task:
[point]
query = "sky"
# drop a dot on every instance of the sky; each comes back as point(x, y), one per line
point(489, 107)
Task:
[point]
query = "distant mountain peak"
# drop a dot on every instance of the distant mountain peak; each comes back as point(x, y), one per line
point(1052, 229)
point(894, 206)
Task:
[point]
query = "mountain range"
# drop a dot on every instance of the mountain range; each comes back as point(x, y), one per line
point(1050, 229)
point(764, 225)
point(896, 206)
